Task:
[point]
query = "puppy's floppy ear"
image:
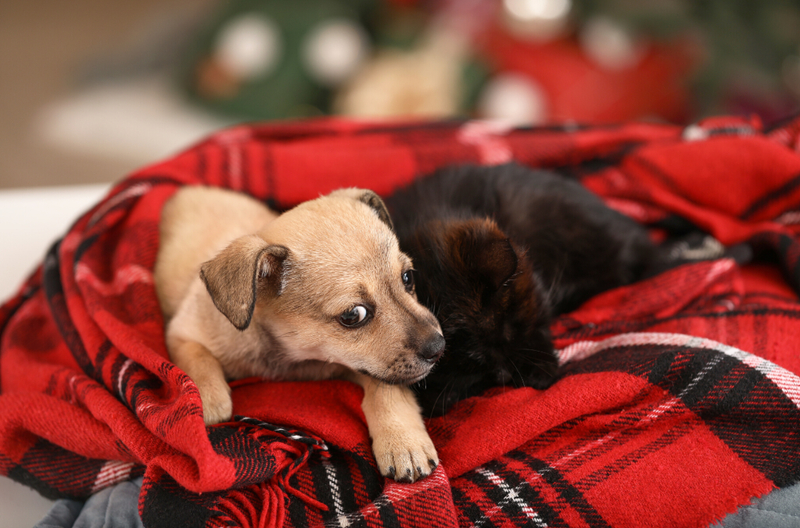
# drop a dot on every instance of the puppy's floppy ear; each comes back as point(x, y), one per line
point(371, 199)
point(232, 277)
point(495, 258)
point(374, 201)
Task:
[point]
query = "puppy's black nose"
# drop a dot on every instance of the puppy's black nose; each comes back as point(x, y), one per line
point(433, 349)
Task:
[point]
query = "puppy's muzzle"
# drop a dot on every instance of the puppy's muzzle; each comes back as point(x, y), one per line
point(433, 349)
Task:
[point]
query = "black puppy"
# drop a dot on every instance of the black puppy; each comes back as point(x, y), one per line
point(499, 251)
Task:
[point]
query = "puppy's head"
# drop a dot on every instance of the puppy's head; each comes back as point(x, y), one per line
point(492, 307)
point(326, 281)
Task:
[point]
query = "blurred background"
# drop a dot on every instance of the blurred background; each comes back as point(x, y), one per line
point(91, 90)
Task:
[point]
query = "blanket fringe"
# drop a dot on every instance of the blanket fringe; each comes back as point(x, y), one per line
point(264, 504)
point(259, 506)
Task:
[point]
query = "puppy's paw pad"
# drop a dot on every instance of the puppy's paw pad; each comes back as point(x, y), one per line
point(406, 457)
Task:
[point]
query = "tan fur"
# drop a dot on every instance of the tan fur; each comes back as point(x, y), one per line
point(247, 292)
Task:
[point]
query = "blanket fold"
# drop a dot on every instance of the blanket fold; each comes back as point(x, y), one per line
point(679, 396)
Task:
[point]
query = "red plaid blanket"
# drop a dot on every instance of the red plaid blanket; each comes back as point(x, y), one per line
point(677, 402)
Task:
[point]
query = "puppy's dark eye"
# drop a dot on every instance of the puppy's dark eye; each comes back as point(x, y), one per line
point(355, 316)
point(408, 280)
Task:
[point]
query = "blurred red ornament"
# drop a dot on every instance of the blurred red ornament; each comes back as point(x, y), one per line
point(586, 85)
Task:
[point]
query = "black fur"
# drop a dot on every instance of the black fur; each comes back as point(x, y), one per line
point(498, 252)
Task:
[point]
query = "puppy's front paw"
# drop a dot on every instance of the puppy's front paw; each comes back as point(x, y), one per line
point(405, 455)
point(217, 403)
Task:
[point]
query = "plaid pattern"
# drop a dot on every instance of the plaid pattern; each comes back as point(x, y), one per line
point(677, 404)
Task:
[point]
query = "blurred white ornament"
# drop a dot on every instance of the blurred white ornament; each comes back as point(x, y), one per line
point(248, 46)
point(609, 45)
point(536, 19)
point(513, 99)
point(695, 132)
point(334, 50)
point(534, 9)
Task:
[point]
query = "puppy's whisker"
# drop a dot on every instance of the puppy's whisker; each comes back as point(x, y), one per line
point(531, 359)
point(436, 401)
point(533, 362)
point(452, 387)
point(521, 377)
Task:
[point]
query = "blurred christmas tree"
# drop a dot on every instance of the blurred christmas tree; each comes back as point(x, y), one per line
point(749, 51)
point(524, 61)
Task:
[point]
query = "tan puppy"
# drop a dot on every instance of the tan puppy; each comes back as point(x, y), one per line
point(320, 291)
